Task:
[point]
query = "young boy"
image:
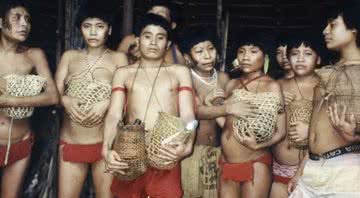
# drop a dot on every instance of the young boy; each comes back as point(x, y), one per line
point(83, 75)
point(200, 170)
point(150, 86)
point(245, 164)
point(15, 58)
point(332, 166)
point(287, 154)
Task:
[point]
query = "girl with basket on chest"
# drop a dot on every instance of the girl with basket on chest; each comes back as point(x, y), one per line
point(25, 83)
point(245, 163)
point(84, 81)
point(160, 96)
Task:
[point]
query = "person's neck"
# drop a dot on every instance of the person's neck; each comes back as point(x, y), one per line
point(350, 53)
point(95, 51)
point(305, 78)
point(203, 73)
point(148, 63)
point(7, 46)
point(289, 74)
point(252, 75)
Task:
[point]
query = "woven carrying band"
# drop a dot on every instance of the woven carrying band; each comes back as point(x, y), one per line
point(336, 152)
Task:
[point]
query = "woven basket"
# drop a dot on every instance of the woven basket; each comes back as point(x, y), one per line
point(19, 86)
point(299, 110)
point(89, 92)
point(340, 85)
point(263, 124)
point(165, 126)
point(130, 145)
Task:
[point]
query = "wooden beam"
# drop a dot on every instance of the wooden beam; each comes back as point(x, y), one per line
point(128, 17)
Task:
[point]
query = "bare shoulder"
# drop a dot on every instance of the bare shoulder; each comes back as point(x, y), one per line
point(231, 85)
point(177, 68)
point(271, 84)
point(35, 53)
point(285, 84)
point(124, 71)
point(118, 57)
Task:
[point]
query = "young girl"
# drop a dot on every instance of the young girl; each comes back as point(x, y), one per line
point(245, 164)
point(84, 81)
point(288, 153)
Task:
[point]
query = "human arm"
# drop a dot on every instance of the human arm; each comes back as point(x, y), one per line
point(48, 97)
point(113, 117)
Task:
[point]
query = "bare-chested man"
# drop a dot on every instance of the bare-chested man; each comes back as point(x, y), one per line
point(164, 9)
point(332, 166)
point(84, 81)
point(19, 60)
point(288, 153)
point(245, 164)
point(150, 86)
point(200, 170)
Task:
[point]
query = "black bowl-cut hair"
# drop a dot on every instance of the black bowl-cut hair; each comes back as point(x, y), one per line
point(309, 39)
point(264, 40)
point(96, 9)
point(7, 5)
point(153, 19)
point(198, 34)
point(349, 10)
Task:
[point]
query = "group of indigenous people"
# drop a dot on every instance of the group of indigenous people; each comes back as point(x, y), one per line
point(158, 119)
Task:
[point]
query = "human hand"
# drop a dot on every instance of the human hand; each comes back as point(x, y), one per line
point(298, 131)
point(95, 114)
point(288, 97)
point(72, 107)
point(114, 164)
point(343, 126)
point(241, 109)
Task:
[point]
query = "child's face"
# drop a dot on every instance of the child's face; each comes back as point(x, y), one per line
point(204, 55)
point(153, 42)
point(251, 58)
point(337, 35)
point(303, 60)
point(16, 25)
point(95, 32)
point(281, 57)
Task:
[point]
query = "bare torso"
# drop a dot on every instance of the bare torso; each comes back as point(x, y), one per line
point(283, 152)
point(71, 131)
point(207, 132)
point(341, 82)
point(164, 97)
point(21, 63)
point(233, 151)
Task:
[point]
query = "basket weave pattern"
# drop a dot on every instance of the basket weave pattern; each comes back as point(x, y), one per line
point(89, 92)
point(19, 86)
point(130, 145)
point(299, 110)
point(263, 124)
point(165, 126)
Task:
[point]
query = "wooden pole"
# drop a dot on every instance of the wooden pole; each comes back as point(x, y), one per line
point(72, 35)
point(59, 30)
point(128, 10)
point(224, 41)
point(219, 13)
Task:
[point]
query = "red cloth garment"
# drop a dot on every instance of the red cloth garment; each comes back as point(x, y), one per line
point(81, 153)
point(242, 172)
point(154, 183)
point(18, 151)
point(281, 179)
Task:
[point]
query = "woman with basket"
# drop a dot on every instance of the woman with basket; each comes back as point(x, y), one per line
point(20, 93)
point(156, 94)
point(245, 163)
point(84, 81)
